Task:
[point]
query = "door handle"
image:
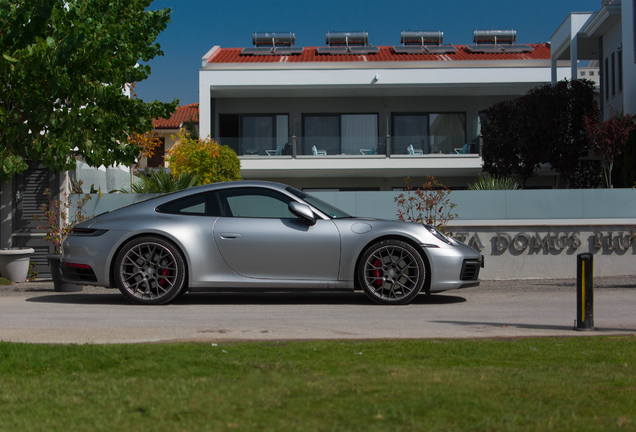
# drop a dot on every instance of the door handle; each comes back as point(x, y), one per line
point(230, 235)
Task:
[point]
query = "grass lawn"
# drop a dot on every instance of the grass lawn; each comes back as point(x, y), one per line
point(544, 384)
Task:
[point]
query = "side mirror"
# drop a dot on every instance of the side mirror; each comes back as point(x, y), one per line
point(303, 211)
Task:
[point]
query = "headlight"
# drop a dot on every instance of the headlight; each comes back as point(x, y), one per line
point(438, 234)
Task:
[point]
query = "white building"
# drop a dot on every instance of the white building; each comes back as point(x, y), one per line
point(351, 116)
point(606, 36)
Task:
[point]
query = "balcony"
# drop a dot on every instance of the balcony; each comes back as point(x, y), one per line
point(352, 146)
point(369, 159)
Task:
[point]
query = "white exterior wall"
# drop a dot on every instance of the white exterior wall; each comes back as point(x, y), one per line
point(612, 40)
point(467, 79)
point(629, 58)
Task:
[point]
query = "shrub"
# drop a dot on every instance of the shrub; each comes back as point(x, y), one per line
point(493, 182)
point(163, 181)
point(207, 159)
point(428, 205)
point(60, 216)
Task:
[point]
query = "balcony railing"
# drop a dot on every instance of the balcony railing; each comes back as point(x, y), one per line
point(353, 146)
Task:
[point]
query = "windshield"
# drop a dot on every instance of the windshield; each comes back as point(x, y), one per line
point(328, 209)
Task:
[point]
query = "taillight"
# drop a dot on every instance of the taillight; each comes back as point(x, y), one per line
point(87, 232)
point(76, 265)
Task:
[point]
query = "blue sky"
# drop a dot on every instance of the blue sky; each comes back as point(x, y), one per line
point(198, 25)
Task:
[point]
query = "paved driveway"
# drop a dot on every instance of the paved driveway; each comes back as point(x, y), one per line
point(33, 312)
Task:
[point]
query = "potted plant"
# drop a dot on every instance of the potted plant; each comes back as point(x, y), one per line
point(58, 218)
point(14, 263)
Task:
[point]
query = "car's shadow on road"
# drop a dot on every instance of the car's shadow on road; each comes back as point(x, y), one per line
point(251, 298)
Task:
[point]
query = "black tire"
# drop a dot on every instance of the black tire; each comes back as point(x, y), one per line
point(391, 272)
point(150, 270)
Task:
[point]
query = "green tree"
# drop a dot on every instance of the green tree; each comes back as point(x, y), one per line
point(211, 162)
point(63, 69)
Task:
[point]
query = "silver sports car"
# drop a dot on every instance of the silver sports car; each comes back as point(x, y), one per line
point(260, 235)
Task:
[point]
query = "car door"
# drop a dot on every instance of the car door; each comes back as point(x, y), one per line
point(259, 237)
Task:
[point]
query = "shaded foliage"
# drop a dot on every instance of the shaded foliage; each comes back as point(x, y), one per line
point(624, 173)
point(543, 126)
point(607, 138)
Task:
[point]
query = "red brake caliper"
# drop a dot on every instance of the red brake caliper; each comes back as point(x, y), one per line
point(164, 282)
point(377, 273)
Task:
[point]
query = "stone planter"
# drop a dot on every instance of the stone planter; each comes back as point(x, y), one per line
point(14, 263)
point(56, 274)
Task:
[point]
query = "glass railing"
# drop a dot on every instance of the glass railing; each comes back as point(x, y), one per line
point(416, 145)
point(353, 146)
point(331, 146)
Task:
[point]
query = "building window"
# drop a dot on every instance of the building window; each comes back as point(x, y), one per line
point(619, 69)
point(607, 78)
point(582, 73)
point(591, 73)
point(330, 134)
point(255, 134)
point(425, 133)
point(613, 76)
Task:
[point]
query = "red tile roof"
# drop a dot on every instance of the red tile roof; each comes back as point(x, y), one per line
point(183, 114)
point(386, 54)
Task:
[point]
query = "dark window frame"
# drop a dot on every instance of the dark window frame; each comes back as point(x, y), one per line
point(613, 74)
point(428, 121)
point(339, 115)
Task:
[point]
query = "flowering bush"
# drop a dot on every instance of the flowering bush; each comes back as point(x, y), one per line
point(205, 158)
point(56, 217)
point(428, 205)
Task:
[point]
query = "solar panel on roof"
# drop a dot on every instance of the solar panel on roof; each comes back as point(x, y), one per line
point(363, 50)
point(517, 48)
point(355, 50)
point(442, 49)
point(489, 49)
point(333, 50)
point(288, 51)
point(484, 49)
point(272, 51)
point(257, 51)
point(409, 49)
point(413, 49)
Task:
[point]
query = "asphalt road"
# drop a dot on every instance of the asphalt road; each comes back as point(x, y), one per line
point(33, 312)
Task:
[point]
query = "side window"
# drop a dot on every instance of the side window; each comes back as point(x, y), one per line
point(203, 204)
point(254, 203)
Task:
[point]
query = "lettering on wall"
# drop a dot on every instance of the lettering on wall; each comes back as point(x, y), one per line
point(549, 242)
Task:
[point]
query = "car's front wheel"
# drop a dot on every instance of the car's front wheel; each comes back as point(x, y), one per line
point(391, 272)
point(150, 270)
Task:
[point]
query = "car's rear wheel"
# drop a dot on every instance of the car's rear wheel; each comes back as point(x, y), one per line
point(391, 272)
point(150, 270)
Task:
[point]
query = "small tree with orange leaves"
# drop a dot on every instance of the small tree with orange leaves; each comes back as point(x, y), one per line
point(147, 143)
point(211, 162)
